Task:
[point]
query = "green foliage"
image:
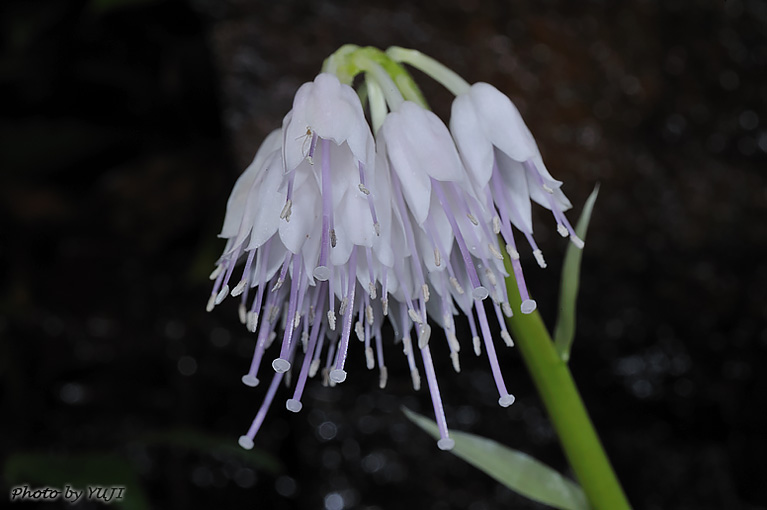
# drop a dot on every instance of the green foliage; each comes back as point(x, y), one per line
point(514, 469)
point(564, 330)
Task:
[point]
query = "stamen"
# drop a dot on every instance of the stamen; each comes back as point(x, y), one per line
point(505, 397)
point(371, 205)
point(246, 441)
point(445, 442)
point(294, 404)
point(338, 374)
point(479, 292)
point(322, 272)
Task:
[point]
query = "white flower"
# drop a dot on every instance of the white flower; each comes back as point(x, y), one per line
point(503, 159)
point(339, 230)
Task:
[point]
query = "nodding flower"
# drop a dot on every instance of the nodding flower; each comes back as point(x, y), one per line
point(339, 230)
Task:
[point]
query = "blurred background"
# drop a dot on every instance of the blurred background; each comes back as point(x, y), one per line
point(124, 124)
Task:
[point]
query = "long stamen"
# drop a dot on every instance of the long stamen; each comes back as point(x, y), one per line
point(322, 272)
point(294, 404)
point(282, 364)
point(563, 226)
point(338, 374)
point(528, 305)
point(246, 441)
point(445, 442)
point(479, 291)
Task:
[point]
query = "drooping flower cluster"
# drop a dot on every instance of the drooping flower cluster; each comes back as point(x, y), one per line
point(340, 230)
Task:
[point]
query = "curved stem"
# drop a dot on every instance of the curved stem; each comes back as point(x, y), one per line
point(557, 389)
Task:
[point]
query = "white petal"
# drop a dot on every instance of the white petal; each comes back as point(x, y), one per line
point(475, 148)
point(306, 216)
point(414, 182)
point(502, 123)
point(333, 111)
point(262, 211)
point(239, 196)
point(516, 191)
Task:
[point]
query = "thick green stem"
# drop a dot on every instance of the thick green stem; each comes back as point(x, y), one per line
point(555, 384)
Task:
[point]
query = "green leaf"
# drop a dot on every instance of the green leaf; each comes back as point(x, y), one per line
point(80, 472)
point(514, 469)
point(564, 330)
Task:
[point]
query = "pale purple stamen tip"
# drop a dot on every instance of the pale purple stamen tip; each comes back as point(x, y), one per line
point(281, 365)
point(250, 380)
point(528, 306)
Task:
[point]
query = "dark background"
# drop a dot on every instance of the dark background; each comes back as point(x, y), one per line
point(123, 125)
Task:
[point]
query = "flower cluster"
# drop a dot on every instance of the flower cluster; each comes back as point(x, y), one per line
point(340, 230)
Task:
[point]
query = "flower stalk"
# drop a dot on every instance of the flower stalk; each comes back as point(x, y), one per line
point(555, 384)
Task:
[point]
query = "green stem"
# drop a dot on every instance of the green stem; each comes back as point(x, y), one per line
point(555, 384)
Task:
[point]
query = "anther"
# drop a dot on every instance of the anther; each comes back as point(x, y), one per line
point(538, 254)
point(314, 367)
point(506, 307)
point(414, 316)
point(222, 294)
point(472, 219)
point(216, 272)
point(237, 290)
point(477, 345)
point(286, 210)
point(423, 338)
point(332, 238)
point(243, 313)
point(372, 290)
point(456, 285)
point(437, 258)
point(495, 251)
point(342, 307)
point(360, 331)
point(425, 291)
point(252, 321)
point(416, 377)
point(385, 306)
point(332, 320)
point(514, 254)
point(562, 230)
point(456, 362)
point(370, 360)
point(369, 315)
point(507, 338)
point(496, 225)
point(383, 376)
point(211, 303)
point(363, 189)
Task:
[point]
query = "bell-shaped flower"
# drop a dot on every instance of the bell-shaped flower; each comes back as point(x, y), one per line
point(503, 160)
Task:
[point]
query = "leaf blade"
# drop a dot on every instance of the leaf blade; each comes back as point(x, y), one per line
point(514, 469)
point(564, 329)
